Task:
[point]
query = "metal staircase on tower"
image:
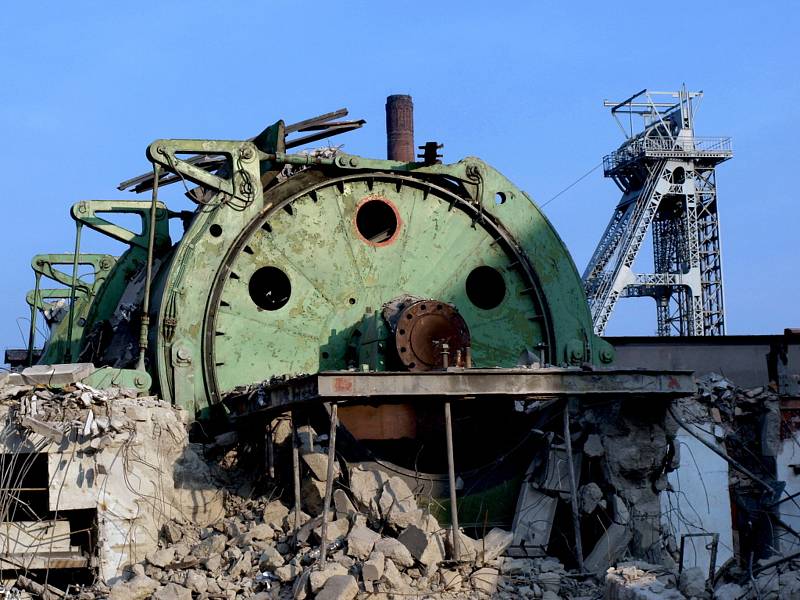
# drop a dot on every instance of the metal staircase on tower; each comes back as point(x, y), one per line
point(667, 178)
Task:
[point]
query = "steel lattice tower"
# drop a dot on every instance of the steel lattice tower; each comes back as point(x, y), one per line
point(667, 178)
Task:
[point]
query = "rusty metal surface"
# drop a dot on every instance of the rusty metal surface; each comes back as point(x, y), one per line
point(456, 383)
point(426, 331)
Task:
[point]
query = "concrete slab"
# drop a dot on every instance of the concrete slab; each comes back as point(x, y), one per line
point(53, 375)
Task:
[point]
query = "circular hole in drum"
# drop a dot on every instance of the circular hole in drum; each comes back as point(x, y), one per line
point(352, 301)
point(486, 287)
point(402, 332)
point(376, 221)
point(325, 355)
point(215, 230)
point(270, 288)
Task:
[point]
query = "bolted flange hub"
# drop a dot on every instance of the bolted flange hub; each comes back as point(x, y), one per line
point(426, 331)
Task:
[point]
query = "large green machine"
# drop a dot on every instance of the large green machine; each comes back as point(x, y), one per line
point(313, 261)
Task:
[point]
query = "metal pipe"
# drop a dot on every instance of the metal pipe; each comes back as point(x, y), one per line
point(296, 473)
point(573, 489)
point(32, 333)
point(451, 475)
point(468, 358)
point(326, 504)
point(151, 242)
point(71, 319)
point(445, 356)
point(400, 128)
point(270, 452)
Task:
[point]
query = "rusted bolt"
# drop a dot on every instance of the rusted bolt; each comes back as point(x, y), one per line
point(606, 355)
point(342, 161)
point(247, 152)
point(354, 162)
point(183, 354)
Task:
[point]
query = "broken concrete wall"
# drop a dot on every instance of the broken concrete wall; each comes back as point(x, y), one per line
point(127, 458)
point(698, 499)
point(788, 466)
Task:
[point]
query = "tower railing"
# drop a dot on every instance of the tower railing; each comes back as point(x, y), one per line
point(664, 147)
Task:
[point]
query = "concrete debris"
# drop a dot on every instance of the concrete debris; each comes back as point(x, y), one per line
point(176, 522)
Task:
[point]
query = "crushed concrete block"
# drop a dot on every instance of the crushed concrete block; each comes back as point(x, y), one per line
point(394, 550)
point(692, 582)
point(550, 581)
point(339, 587)
point(372, 569)
point(317, 463)
point(305, 437)
point(451, 580)
point(619, 510)
point(344, 507)
point(336, 529)
point(318, 578)
point(242, 565)
point(52, 375)
point(590, 496)
point(213, 544)
point(270, 559)
point(516, 566)
point(609, 548)
point(137, 413)
point(288, 572)
point(361, 541)
point(393, 577)
point(161, 558)
point(633, 583)
point(138, 588)
point(593, 446)
point(467, 547)
point(313, 494)
point(274, 514)
point(366, 487)
point(533, 517)
point(397, 503)
point(172, 591)
point(213, 564)
point(196, 581)
point(262, 531)
point(415, 540)
point(494, 544)
point(485, 580)
point(729, 591)
point(172, 532)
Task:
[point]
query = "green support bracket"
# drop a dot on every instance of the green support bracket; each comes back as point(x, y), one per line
point(45, 264)
point(106, 377)
point(38, 299)
point(87, 212)
point(241, 187)
point(82, 292)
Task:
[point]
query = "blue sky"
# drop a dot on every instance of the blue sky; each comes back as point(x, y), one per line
point(86, 86)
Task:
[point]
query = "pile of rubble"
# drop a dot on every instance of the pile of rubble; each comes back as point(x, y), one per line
point(381, 546)
point(189, 523)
